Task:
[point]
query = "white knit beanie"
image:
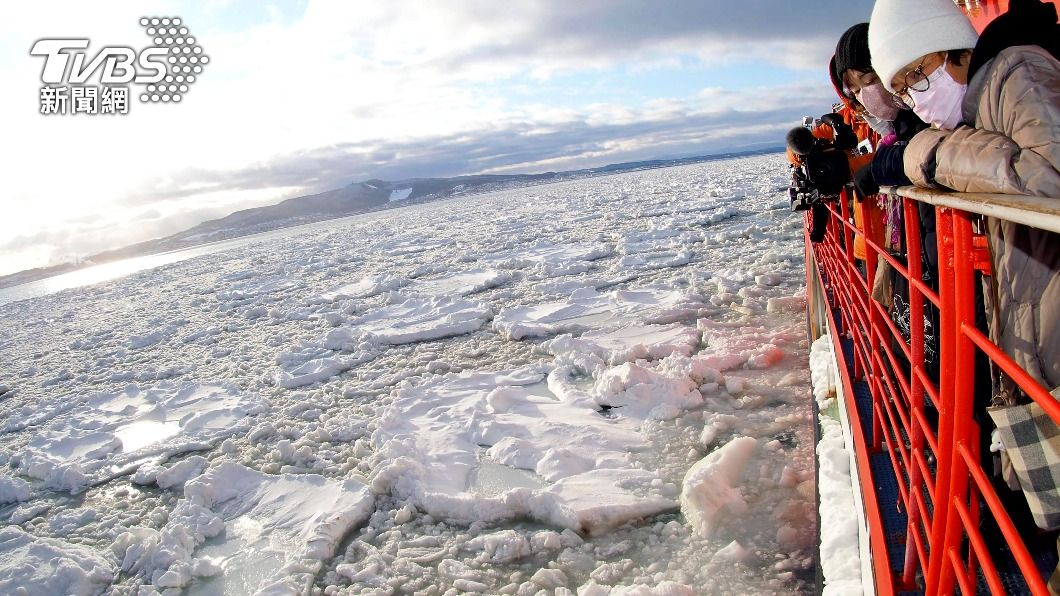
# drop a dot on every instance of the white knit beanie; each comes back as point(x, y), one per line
point(901, 31)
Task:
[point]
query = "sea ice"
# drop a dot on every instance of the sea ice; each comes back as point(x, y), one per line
point(402, 425)
point(587, 309)
point(108, 434)
point(458, 284)
point(711, 487)
point(47, 566)
point(432, 436)
point(274, 531)
point(419, 319)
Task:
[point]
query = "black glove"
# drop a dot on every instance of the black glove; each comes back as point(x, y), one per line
point(845, 139)
point(865, 182)
point(907, 124)
point(887, 166)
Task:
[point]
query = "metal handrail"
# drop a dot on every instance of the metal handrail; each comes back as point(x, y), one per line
point(1037, 212)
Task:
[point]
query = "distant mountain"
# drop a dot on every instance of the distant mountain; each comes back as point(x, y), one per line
point(359, 197)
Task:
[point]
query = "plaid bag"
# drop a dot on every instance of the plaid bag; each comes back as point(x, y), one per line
point(1032, 443)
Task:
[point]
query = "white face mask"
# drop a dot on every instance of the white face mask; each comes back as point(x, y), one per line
point(940, 105)
point(878, 101)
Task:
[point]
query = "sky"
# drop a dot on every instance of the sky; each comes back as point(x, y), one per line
point(304, 96)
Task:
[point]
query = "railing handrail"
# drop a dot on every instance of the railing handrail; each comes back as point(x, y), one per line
point(1037, 212)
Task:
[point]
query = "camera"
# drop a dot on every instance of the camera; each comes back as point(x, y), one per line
point(822, 169)
point(801, 192)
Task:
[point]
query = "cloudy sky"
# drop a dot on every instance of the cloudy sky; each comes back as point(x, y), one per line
point(304, 96)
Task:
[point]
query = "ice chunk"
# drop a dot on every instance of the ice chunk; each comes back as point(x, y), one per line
point(590, 504)
point(420, 319)
point(459, 284)
point(588, 309)
point(734, 552)
point(274, 526)
point(628, 343)
point(660, 390)
point(13, 490)
point(500, 547)
point(111, 433)
point(320, 369)
point(431, 438)
point(366, 287)
point(46, 566)
point(711, 488)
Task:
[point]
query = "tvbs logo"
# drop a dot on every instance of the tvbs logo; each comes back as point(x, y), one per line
point(165, 70)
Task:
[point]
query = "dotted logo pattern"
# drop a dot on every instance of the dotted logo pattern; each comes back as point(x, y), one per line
point(185, 59)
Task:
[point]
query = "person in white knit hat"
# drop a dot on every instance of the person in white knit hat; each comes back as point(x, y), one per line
point(1006, 86)
point(993, 101)
point(909, 42)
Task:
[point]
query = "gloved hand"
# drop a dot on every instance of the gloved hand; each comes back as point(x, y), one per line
point(865, 183)
point(845, 139)
point(888, 168)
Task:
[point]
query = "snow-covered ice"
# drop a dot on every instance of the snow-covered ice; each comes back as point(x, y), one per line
point(840, 549)
point(110, 434)
point(597, 387)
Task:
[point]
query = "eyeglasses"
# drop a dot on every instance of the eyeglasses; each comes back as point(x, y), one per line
point(915, 80)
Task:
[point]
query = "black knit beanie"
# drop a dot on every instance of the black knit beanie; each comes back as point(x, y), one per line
point(852, 51)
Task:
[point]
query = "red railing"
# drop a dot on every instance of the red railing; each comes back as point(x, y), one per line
point(941, 486)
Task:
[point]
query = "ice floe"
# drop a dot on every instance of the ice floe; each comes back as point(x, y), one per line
point(36, 565)
point(110, 434)
point(436, 437)
point(246, 530)
point(587, 309)
point(460, 284)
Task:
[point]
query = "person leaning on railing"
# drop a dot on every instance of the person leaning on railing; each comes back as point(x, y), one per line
point(994, 105)
point(894, 122)
point(926, 52)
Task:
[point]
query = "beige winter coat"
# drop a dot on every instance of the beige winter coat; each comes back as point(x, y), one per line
point(1014, 101)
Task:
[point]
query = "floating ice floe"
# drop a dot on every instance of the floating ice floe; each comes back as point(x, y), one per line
point(459, 284)
point(110, 434)
point(550, 260)
point(594, 349)
point(14, 490)
point(257, 533)
point(299, 372)
point(564, 463)
point(251, 288)
point(366, 287)
point(588, 309)
point(711, 488)
point(403, 247)
point(734, 344)
point(413, 319)
point(48, 566)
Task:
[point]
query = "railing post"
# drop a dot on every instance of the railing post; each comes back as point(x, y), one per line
point(964, 427)
point(947, 362)
point(911, 215)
